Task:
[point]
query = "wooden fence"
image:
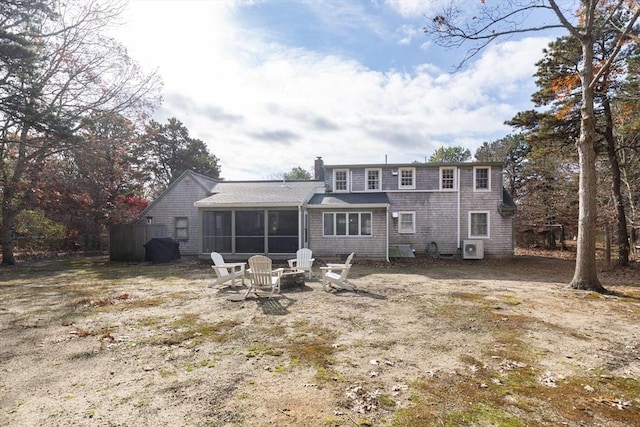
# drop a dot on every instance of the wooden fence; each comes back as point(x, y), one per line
point(126, 241)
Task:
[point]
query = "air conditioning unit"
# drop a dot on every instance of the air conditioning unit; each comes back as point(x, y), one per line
point(472, 249)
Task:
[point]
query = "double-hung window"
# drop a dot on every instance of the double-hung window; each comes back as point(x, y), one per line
point(373, 179)
point(407, 222)
point(347, 223)
point(407, 178)
point(182, 228)
point(447, 178)
point(481, 178)
point(478, 224)
point(340, 180)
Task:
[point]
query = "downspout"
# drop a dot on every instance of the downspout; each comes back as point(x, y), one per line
point(458, 209)
point(387, 243)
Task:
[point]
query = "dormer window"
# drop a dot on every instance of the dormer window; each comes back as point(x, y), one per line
point(341, 180)
point(407, 178)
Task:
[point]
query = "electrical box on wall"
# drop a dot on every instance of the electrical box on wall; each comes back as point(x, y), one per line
point(472, 249)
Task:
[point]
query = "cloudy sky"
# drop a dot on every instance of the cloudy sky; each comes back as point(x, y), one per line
point(271, 85)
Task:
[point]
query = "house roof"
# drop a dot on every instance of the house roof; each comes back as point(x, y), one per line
point(260, 193)
point(205, 182)
point(350, 200)
point(412, 165)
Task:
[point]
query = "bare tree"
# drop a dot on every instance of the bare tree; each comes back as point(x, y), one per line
point(72, 73)
point(452, 27)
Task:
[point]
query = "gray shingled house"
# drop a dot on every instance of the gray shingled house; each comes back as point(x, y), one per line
point(374, 210)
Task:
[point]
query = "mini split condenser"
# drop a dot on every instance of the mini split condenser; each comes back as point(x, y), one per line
point(472, 249)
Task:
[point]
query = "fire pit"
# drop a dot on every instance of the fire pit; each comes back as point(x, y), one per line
point(292, 278)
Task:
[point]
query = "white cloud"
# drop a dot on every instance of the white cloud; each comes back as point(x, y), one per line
point(408, 34)
point(415, 8)
point(264, 108)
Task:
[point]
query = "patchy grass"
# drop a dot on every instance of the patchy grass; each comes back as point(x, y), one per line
point(520, 396)
point(189, 331)
point(467, 345)
point(507, 387)
point(263, 349)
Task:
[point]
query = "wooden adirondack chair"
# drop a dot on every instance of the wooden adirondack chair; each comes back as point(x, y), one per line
point(303, 261)
point(227, 271)
point(262, 276)
point(331, 279)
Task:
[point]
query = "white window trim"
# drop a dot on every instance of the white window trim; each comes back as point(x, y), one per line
point(348, 184)
point(347, 213)
point(488, 236)
point(413, 222)
point(455, 178)
point(413, 179)
point(488, 168)
point(366, 179)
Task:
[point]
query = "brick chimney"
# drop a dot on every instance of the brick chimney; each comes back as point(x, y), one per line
point(319, 169)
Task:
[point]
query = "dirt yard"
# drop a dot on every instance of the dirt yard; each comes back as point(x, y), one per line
point(86, 342)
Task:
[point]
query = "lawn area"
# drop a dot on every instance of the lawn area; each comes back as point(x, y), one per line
point(423, 342)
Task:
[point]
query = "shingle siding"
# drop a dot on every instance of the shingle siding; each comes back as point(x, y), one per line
point(373, 247)
point(435, 220)
point(358, 180)
point(441, 216)
point(179, 203)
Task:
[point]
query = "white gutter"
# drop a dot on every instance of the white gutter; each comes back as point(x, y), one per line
point(247, 205)
point(354, 206)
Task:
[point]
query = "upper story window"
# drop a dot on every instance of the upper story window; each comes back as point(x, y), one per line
point(407, 222)
point(448, 178)
point(407, 178)
point(341, 180)
point(373, 179)
point(482, 178)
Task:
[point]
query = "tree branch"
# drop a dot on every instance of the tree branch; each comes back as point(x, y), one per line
point(621, 41)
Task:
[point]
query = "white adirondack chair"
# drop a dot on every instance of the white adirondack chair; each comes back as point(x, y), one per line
point(226, 272)
point(331, 279)
point(262, 277)
point(303, 261)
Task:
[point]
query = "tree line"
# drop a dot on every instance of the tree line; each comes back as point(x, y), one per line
point(584, 78)
point(77, 149)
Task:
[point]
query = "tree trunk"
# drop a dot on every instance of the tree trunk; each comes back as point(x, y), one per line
point(607, 244)
point(585, 275)
point(622, 239)
point(6, 232)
